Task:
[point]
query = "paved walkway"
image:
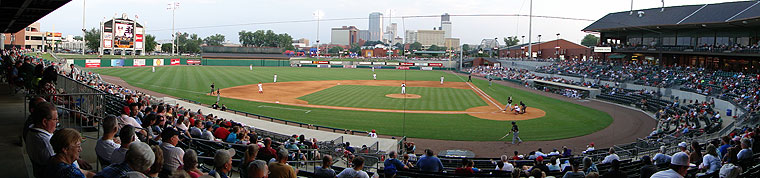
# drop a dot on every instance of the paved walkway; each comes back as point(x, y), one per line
point(385, 144)
point(12, 157)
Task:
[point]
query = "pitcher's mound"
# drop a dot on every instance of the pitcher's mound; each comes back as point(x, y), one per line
point(408, 96)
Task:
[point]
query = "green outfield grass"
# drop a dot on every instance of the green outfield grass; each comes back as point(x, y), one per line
point(562, 120)
point(433, 98)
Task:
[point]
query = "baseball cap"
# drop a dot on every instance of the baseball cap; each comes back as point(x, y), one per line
point(169, 132)
point(683, 144)
point(680, 159)
point(540, 158)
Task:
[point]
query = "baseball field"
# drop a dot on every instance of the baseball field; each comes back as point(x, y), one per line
point(352, 99)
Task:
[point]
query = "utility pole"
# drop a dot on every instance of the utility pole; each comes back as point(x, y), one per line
point(84, 29)
point(530, 31)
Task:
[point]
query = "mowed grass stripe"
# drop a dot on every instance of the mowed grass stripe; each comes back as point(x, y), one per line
point(374, 97)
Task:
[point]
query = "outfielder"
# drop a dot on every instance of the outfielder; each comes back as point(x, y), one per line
point(373, 68)
point(515, 133)
point(441, 79)
point(374, 76)
point(261, 88)
point(154, 69)
point(250, 67)
point(403, 88)
point(275, 78)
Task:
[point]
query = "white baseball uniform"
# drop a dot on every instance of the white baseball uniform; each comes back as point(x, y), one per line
point(250, 67)
point(403, 88)
point(441, 80)
point(275, 78)
point(154, 69)
point(374, 76)
point(261, 89)
point(373, 68)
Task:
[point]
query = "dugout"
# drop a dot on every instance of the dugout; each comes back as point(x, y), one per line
point(556, 87)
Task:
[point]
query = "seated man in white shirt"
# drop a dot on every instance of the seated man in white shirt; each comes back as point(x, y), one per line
point(106, 144)
point(127, 136)
point(611, 157)
point(127, 117)
point(679, 166)
point(45, 118)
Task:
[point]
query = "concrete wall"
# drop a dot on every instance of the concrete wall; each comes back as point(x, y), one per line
point(529, 65)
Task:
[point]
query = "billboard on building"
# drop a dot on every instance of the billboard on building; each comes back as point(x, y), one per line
point(107, 40)
point(139, 38)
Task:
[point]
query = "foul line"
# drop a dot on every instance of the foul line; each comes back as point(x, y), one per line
point(477, 90)
point(306, 111)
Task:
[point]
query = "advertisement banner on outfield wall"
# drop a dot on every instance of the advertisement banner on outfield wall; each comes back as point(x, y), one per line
point(321, 62)
point(402, 67)
point(336, 62)
point(407, 64)
point(426, 68)
point(349, 66)
point(92, 63)
point(305, 62)
point(392, 63)
point(139, 62)
point(193, 62)
point(323, 65)
point(420, 64)
point(158, 62)
point(378, 63)
point(365, 63)
point(117, 62)
point(435, 64)
point(175, 62)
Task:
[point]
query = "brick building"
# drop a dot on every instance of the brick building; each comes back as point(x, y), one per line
point(557, 49)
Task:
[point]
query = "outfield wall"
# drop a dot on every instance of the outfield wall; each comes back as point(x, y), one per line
point(409, 65)
point(95, 63)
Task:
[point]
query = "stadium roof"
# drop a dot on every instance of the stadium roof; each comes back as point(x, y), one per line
point(17, 15)
point(735, 13)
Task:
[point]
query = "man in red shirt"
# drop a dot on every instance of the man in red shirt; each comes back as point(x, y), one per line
point(222, 131)
point(267, 153)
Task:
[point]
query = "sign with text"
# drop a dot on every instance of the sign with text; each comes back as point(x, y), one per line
point(602, 49)
point(139, 62)
point(435, 64)
point(92, 63)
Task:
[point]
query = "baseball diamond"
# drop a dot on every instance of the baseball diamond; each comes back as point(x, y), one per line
point(336, 98)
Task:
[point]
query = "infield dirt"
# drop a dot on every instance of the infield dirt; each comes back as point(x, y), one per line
point(287, 93)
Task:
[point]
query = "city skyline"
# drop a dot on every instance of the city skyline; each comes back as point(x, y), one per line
point(209, 17)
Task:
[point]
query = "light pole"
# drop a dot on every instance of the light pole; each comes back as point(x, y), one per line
point(556, 48)
point(523, 48)
point(318, 14)
point(539, 46)
point(530, 31)
point(84, 30)
point(173, 6)
point(496, 46)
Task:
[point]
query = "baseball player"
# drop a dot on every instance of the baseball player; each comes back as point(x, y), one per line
point(515, 133)
point(154, 69)
point(217, 95)
point(250, 67)
point(261, 89)
point(373, 68)
point(517, 109)
point(212, 88)
point(275, 78)
point(469, 78)
point(509, 103)
point(374, 76)
point(403, 88)
point(441, 79)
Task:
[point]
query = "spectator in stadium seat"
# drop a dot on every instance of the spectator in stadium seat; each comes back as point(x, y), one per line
point(695, 157)
point(730, 168)
point(207, 133)
point(196, 131)
point(647, 169)
point(251, 151)
point(466, 168)
point(679, 165)
point(430, 163)
point(710, 161)
point(267, 153)
point(610, 157)
point(222, 131)
point(537, 173)
point(566, 152)
point(516, 157)
point(661, 158)
point(614, 170)
point(539, 164)
point(106, 144)
point(258, 169)
point(158, 164)
point(589, 166)
point(683, 146)
point(325, 171)
point(66, 144)
point(504, 164)
point(140, 158)
point(356, 172)
point(724, 148)
point(574, 173)
point(232, 137)
point(746, 152)
point(406, 161)
point(127, 117)
point(392, 164)
point(540, 153)
point(172, 154)
point(552, 165)
point(190, 164)
point(281, 169)
point(45, 118)
point(222, 163)
point(349, 148)
point(592, 175)
point(127, 136)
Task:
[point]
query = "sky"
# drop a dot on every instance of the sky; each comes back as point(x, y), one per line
point(228, 17)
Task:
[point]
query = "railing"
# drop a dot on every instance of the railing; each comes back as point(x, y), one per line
point(691, 49)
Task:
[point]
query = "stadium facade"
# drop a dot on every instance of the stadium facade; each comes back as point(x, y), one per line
point(715, 36)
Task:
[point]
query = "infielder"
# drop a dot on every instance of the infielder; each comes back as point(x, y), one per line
point(261, 89)
point(373, 68)
point(212, 88)
point(403, 88)
point(374, 76)
point(515, 133)
point(441, 79)
point(275, 78)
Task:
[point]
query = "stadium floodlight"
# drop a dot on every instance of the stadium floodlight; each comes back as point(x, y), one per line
point(173, 7)
point(318, 14)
